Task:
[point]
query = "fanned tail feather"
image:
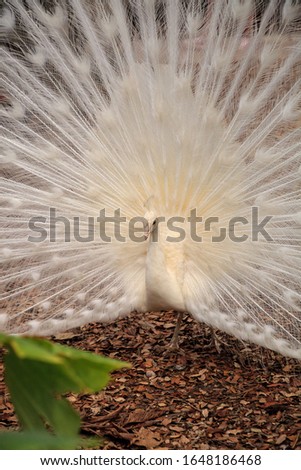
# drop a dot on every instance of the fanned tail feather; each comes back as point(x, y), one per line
point(196, 105)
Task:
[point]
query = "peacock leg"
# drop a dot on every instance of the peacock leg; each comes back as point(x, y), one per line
point(217, 340)
point(174, 344)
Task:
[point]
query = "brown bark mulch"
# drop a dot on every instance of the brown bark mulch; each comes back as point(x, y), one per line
point(218, 394)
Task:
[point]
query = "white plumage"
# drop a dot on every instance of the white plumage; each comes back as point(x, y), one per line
point(153, 109)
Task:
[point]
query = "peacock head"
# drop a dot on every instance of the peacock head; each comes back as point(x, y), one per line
point(150, 223)
point(150, 217)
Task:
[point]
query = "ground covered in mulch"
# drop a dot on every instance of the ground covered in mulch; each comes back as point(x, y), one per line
point(218, 394)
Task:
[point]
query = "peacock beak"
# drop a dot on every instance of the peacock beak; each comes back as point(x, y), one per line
point(147, 230)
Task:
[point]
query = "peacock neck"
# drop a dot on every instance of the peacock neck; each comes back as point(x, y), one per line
point(164, 272)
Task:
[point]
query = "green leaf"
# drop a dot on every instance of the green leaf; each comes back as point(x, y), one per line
point(39, 372)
